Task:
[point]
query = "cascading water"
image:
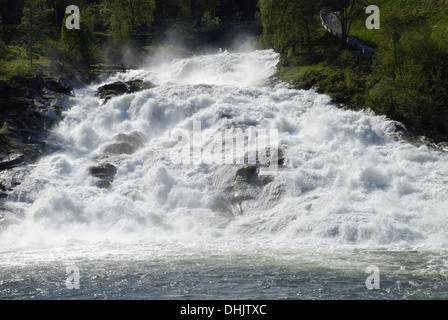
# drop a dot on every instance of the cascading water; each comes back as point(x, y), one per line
point(347, 195)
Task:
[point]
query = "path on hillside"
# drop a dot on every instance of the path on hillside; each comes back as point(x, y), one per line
point(330, 22)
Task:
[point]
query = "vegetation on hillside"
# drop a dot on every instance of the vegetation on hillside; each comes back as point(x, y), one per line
point(34, 39)
point(408, 78)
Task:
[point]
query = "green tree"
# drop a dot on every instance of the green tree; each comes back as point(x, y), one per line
point(208, 22)
point(304, 17)
point(288, 23)
point(199, 7)
point(124, 17)
point(182, 24)
point(81, 43)
point(276, 28)
point(2, 45)
point(395, 25)
point(412, 79)
point(346, 11)
point(34, 22)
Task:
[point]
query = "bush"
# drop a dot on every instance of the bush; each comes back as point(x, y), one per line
point(413, 88)
point(15, 68)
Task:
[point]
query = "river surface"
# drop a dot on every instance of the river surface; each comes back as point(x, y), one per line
point(346, 196)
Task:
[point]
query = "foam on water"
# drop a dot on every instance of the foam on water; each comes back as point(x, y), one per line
point(346, 181)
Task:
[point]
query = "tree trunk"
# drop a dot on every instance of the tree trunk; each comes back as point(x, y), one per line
point(31, 35)
point(308, 39)
point(344, 37)
point(133, 17)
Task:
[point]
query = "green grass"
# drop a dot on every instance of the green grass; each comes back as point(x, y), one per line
point(433, 11)
point(370, 37)
point(332, 71)
point(296, 69)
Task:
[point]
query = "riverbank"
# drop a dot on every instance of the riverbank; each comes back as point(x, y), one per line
point(404, 76)
point(350, 79)
point(29, 107)
point(31, 104)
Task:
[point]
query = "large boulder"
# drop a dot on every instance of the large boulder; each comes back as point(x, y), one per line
point(112, 89)
point(11, 161)
point(125, 143)
point(247, 174)
point(55, 86)
point(139, 85)
point(105, 174)
point(118, 88)
point(27, 109)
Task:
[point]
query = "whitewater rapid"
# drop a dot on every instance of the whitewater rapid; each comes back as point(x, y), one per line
point(346, 181)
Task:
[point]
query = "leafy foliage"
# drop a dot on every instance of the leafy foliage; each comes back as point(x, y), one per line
point(411, 77)
point(34, 22)
point(287, 24)
point(124, 17)
point(81, 43)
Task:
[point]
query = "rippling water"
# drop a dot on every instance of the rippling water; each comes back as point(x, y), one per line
point(349, 195)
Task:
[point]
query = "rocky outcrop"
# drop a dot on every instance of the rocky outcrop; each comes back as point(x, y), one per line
point(236, 189)
point(110, 90)
point(139, 85)
point(105, 174)
point(125, 143)
point(11, 161)
point(118, 88)
point(248, 174)
point(29, 107)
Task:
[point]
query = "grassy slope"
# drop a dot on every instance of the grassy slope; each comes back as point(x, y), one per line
point(343, 76)
point(437, 15)
point(338, 73)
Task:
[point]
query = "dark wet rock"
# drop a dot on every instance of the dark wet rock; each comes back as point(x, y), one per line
point(55, 86)
point(26, 109)
point(4, 188)
point(118, 88)
point(401, 133)
point(244, 188)
point(105, 171)
point(22, 87)
point(235, 190)
point(139, 85)
point(11, 162)
point(112, 89)
point(248, 174)
point(102, 71)
point(105, 174)
point(281, 157)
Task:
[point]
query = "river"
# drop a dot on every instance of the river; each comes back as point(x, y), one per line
point(347, 195)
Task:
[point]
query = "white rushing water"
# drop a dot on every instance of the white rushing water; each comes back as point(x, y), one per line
point(346, 186)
